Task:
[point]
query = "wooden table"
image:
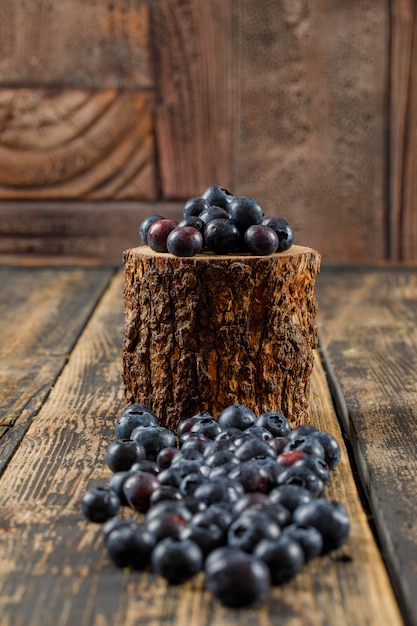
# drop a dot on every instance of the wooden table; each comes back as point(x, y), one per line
point(61, 391)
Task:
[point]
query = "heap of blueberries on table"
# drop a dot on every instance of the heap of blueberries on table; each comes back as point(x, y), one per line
point(218, 222)
point(241, 498)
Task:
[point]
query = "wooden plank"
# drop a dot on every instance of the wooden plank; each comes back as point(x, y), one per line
point(195, 91)
point(403, 119)
point(367, 326)
point(73, 43)
point(310, 141)
point(65, 578)
point(76, 144)
point(42, 313)
point(101, 230)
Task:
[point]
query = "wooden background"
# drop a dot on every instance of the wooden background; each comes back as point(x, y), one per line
point(111, 110)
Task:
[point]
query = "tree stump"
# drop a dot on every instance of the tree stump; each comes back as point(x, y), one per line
point(208, 331)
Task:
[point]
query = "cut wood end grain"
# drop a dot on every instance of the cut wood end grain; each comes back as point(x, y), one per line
point(208, 331)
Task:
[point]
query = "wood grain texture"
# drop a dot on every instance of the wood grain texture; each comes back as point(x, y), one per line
point(75, 44)
point(403, 138)
point(100, 230)
point(53, 568)
point(42, 313)
point(311, 142)
point(208, 331)
point(367, 328)
point(76, 144)
point(195, 91)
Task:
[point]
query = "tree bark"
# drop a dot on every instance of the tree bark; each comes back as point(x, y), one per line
point(208, 331)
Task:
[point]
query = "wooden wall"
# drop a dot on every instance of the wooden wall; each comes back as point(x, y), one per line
point(114, 109)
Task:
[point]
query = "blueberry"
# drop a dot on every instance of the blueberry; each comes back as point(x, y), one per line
point(260, 432)
point(236, 578)
point(283, 556)
point(209, 427)
point(116, 523)
point(308, 537)
point(244, 212)
point(249, 528)
point(144, 227)
point(184, 241)
point(167, 524)
point(194, 206)
point(133, 416)
point(128, 546)
point(254, 448)
point(165, 456)
point(116, 482)
point(309, 444)
point(329, 517)
point(165, 492)
point(146, 465)
point(331, 448)
point(153, 439)
point(138, 488)
point(193, 220)
point(158, 234)
point(261, 240)
point(221, 490)
point(217, 195)
point(99, 504)
point(218, 514)
point(302, 477)
point(317, 465)
point(302, 431)
point(161, 508)
point(221, 236)
point(213, 213)
point(275, 422)
point(177, 560)
point(237, 416)
point(190, 482)
point(123, 453)
point(207, 537)
point(290, 496)
point(252, 476)
point(283, 230)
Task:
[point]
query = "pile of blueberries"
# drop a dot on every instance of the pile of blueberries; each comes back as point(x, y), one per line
point(219, 222)
point(240, 498)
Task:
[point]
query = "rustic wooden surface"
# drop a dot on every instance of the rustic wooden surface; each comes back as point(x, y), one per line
point(76, 144)
point(403, 113)
point(368, 322)
point(53, 569)
point(75, 44)
point(209, 331)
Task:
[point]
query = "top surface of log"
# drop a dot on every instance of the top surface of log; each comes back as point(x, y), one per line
point(211, 256)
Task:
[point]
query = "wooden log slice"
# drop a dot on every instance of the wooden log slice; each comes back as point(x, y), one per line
point(208, 331)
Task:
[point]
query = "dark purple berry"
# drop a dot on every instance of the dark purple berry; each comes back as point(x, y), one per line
point(236, 578)
point(144, 227)
point(158, 234)
point(275, 422)
point(138, 488)
point(134, 415)
point(99, 504)
point(283, 230)
point(184, 241)
point(244, 212)
point(308, 537)
point(213, 213)
point(221, 236)
point(195, 206)
point(329, 517)
point(128, 546)
point(123, 453)
point(237, 416)
point(177, 560)
point(193, 220)
point(261, 240)
point(217, 195)
point(247, 530)
point(283, 556)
